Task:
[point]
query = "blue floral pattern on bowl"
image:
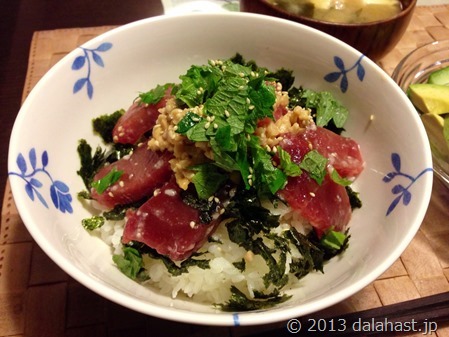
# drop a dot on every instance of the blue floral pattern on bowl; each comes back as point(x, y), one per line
point(89, 57)
point(59, 191)
point(403, 192)
point(342, 72)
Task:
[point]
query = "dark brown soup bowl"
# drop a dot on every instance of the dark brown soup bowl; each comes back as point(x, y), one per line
point(374, 39)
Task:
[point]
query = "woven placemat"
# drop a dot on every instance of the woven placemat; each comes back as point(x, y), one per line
point(38, 299)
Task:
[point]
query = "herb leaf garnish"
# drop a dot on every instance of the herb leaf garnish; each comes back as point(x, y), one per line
point(154, 95)
point(130, 263)
point(109, 179)
point(234, 98)
point(314, 163)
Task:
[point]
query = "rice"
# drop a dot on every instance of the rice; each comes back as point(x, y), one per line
point(212, 285)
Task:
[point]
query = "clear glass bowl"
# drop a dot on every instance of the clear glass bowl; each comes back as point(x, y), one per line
point(416, 68)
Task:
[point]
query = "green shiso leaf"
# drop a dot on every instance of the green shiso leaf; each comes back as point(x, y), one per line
point(327, 108)
point(339, 179)
point(207, 180)
point(109, 179)
point(315, 164)
point(130, 263)
point(154, 95)
point(333, 239)
point(290, 168)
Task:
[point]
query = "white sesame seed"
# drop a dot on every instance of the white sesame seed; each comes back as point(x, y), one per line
point(221, 211)
point(170, 192)
point(215, 126)
point(248, 100)
point(312, 194)
point(207, 125)
point(241, 74)
point(192, 224)
point(249, 256)
point(250, 182)
point(227, 114)
point(251, 107)
point(121, 183)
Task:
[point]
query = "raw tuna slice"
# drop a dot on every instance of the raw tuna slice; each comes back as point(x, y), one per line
point(168, 225)
point(327, 205)
point(143, 172)
point(138, 119)
point(343, 153)
point(323, 206)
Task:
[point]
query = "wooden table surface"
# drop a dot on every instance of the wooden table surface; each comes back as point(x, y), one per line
point(39, 299)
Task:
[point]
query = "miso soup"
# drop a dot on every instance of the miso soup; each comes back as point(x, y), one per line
point(342, 11)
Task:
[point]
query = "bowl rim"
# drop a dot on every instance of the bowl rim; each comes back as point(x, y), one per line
point(222, 319)
point(292, 16)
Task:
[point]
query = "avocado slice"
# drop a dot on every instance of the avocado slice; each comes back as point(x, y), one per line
point(429, 98)
point(437, 129)
point(440, 76)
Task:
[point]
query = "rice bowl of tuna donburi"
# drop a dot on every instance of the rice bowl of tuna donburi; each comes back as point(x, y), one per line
point(248, 179)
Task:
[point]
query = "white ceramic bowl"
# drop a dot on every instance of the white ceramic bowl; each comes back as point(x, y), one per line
point(395, 186)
